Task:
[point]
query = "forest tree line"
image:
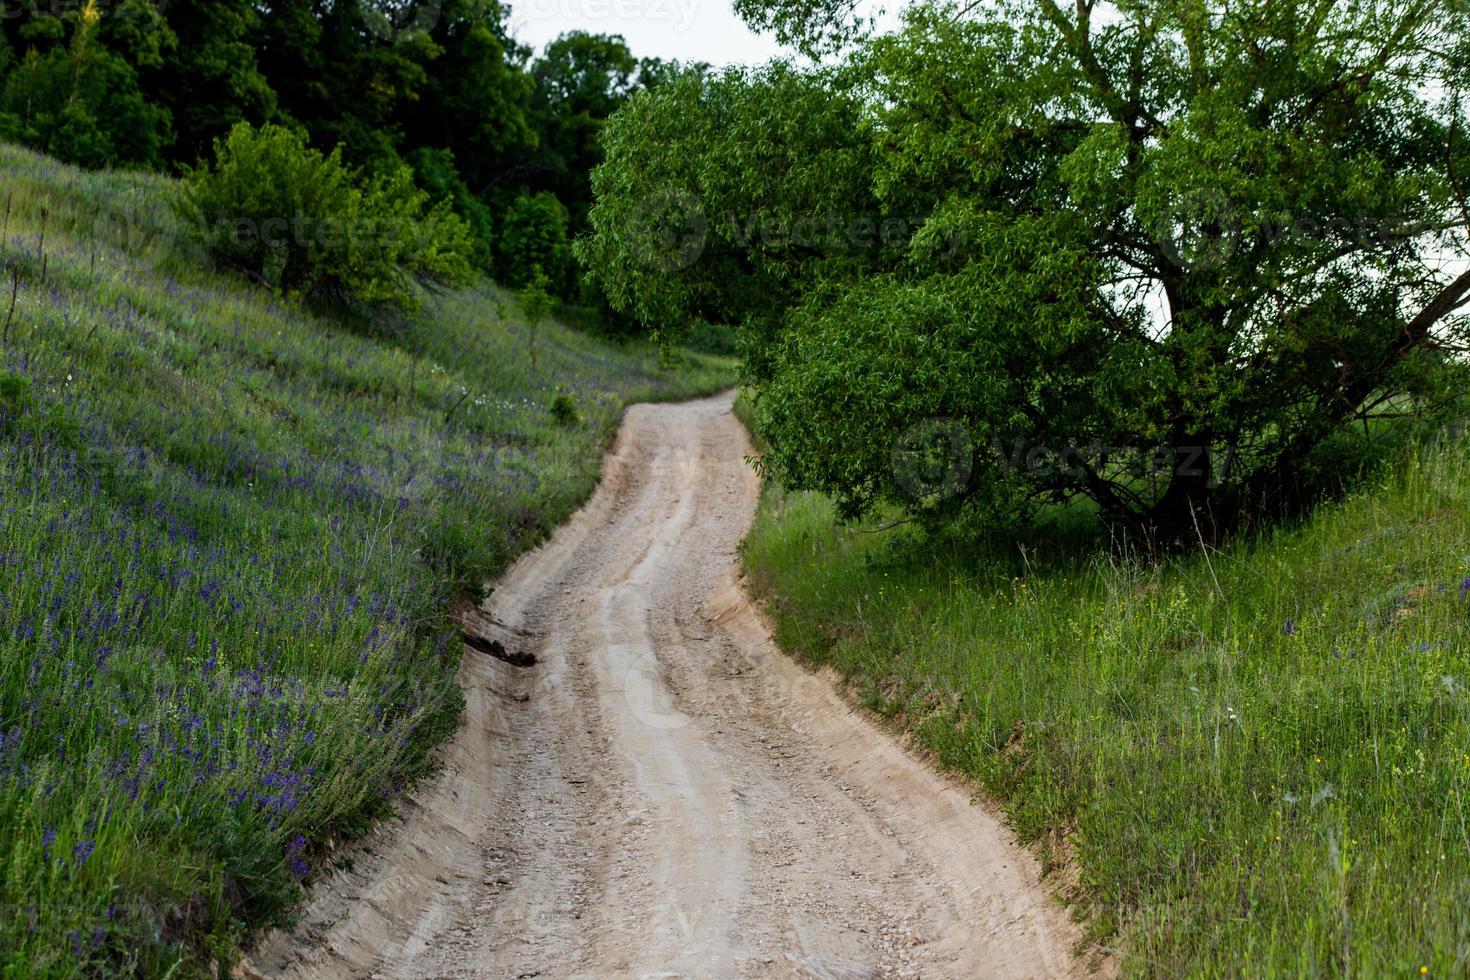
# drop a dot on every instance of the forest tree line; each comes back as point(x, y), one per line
point(506, 137)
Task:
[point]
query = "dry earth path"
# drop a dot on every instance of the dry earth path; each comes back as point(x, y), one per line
point(664, 793)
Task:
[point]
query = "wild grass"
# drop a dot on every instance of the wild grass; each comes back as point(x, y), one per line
point(228, 535)
point(1250, 763)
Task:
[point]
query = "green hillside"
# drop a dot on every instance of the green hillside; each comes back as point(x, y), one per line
point(1250, 762)
point(230, 532)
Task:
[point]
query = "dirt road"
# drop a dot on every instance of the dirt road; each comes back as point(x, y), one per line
point(664, 794)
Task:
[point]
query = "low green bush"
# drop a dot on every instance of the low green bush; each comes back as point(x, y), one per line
point(299, 221)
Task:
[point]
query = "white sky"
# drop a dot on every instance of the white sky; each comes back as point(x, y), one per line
point(682, 30)
point(686, 30)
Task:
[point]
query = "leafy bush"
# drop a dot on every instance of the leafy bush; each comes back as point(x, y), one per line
point(534, 237)
point(535, 304)
point(713, 338)
point(564, 409)
point(299, 221)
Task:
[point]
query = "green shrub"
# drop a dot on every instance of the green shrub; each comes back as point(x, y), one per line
point(452, 549)
point(564, 409)
point(535, 303)
point(713, 338)
point(299, 221)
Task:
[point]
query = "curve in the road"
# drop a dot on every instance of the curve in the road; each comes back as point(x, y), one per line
point(664, 793)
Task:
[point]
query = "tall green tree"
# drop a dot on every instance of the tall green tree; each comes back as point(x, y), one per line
point(728, 197)
point(208, 78)
point(1169, 251)
point(581, 79)
point(71, 95)
point(288, 48)
point(475, 98)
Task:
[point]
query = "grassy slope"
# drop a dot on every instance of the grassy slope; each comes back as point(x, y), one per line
point(1261, 777)
point(227, 535)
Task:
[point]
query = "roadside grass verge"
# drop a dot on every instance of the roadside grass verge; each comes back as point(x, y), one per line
point(229, 534)
point(1253, 764)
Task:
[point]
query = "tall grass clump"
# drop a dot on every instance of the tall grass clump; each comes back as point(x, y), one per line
point(229, 535)
point(1249, 762)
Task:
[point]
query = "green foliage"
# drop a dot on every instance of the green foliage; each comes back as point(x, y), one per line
point(25, 417)
point(726, 197)
point(581, 80)
point(533, 242)
point(535, 303)
point(1167, 254)
point(208, 79)
point(232, 532)
point(435, 172)
point(16, 396)
point(474, 97)
point(286, 215)
point(564, 409)
point(82, 102)
point(713, 338)
point(534, 300)
point(1247, 763)
point(440, 87)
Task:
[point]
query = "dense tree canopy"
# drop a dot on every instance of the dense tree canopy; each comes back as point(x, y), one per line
point(1157, 255)
point(437, 85)
point(730, 196)
point(209, 80)
point(580, 81)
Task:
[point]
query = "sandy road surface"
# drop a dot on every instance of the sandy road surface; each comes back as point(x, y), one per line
point(664, 794)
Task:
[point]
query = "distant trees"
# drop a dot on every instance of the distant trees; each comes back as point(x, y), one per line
point(580, 81)
point(73, 94)
point(475, 98)
point(1173, 258)
point(435, 171)
point(718, 195)
point(534, 243)
point(440, 87)
point(207, 78)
